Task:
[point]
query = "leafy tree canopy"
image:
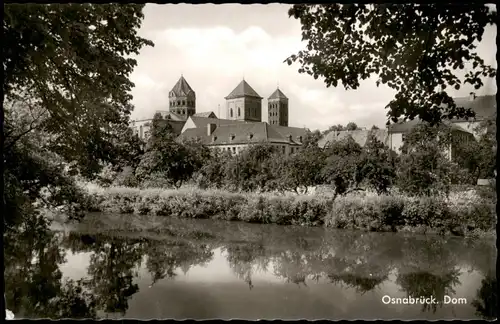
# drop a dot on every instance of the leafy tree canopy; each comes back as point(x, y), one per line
point(413, 48)
point(73, 61)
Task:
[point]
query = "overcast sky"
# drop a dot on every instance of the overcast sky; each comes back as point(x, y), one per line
point(215, 46)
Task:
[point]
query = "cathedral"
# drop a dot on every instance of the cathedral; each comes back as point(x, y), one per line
point(243, 125)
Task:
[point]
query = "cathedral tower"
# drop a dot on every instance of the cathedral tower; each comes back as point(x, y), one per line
point(243, 103)
point(277, 105)
point(182, 99)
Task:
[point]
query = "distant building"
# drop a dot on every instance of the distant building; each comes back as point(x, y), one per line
point(234, 136)
point(464, 130)
point(242, 127)
point(360, 136)
point(142, 128)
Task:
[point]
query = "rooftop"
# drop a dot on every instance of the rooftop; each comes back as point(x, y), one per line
point(246, 133)
point(484, 107)
point(243, 90)
point(278, 94)
point(360, 136)
point(182, 88)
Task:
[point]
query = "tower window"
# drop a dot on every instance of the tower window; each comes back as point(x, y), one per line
point(183, 102)
point(231, 112)
point(239, 112)
point(178, 102)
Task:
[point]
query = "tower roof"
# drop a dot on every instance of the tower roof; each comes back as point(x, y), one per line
point(182, 88)
point(243, 90)
point(278, 95)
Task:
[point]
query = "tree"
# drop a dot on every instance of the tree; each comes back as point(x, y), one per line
point(375, 127)
point(343, 165)
point(166, 158)
point(254, 168)
point(66, 97)
point(423, 167)
point(414, 49)
point(479, 157)
point(212, 173)
point(378, 167)
point(336, 128)
point(73, 61)
point(311, 138)
point(351, 126)
point(302, 169)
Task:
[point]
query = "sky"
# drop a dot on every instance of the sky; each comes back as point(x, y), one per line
point(215, 46)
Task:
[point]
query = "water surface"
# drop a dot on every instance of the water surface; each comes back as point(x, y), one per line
point(205, 269)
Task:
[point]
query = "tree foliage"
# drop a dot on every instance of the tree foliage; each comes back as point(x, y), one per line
point(378, 165)
point(165, 157)
point(343, 165)
point(254, 168)
point(423, 168)
point(479, 157)
point(73, 62)
point(301, 169)
point(414, 49)
point(351, 126)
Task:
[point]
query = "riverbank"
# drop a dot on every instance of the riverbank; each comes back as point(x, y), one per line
point(462, 213)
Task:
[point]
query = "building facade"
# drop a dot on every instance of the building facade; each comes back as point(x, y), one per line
point(462, 129)
point(243, 103)
point(242, 127)
point(235, 136)
point(182, 99)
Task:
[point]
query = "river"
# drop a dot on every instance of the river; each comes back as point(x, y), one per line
point(204, 269)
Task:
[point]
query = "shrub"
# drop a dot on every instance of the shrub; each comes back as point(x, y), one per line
point(462, 212)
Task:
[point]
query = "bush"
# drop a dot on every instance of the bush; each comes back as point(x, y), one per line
point(461, 213)
point(126, 178)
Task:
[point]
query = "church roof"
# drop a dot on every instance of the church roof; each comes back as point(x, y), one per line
point(207, 114)
point(182, 88)
point(360, 136)
point(260, 131)
point(278, 94)
point(243, 90)
point(171, 115)
point(202, 122)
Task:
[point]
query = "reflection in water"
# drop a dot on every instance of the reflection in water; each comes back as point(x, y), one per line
point(424, 284)
point(33, 282)
point(486, 301)
point(309, 259)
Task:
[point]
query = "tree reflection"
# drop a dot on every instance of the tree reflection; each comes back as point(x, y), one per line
point(34, 287)
point(111, 273)
point(428, 270)
point(486, 302)
point(425, 284)
point(163, 258)
point(242, 258)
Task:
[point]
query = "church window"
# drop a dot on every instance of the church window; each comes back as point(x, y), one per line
point(178, 102)
point(234, 149)
point(239, 112)
point(231, 112)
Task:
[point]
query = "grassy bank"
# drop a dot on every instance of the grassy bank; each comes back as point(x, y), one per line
point(463, 213)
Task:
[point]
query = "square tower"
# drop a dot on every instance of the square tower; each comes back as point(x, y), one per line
point(182, 99)
point(243, 103)
point(277, 105)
